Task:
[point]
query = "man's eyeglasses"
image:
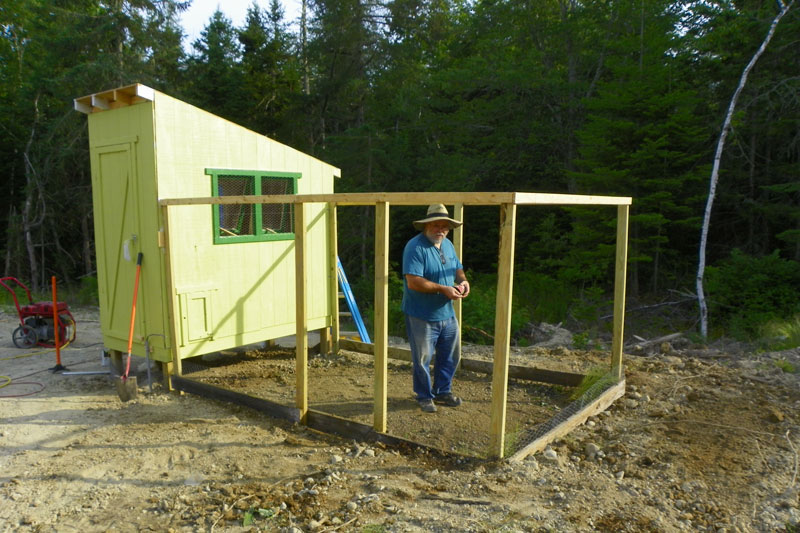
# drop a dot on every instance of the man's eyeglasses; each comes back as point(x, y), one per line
point(442, 257)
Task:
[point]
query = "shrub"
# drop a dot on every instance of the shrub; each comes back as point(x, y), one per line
point(366, 286)
point(88, 292)
point(745, 292)
point(546, 298)
point(782, 334)
point(478, 310)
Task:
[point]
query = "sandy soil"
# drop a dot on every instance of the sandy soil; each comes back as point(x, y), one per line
point(706, 439)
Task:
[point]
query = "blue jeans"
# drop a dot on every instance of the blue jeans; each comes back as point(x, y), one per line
point(428, 339)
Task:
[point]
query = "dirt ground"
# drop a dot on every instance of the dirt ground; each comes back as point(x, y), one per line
point(343, 386)
point(706, 439)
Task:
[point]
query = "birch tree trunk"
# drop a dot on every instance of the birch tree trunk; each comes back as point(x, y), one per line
point(726, 126)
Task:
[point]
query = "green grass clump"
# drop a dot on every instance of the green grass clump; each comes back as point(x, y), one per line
point(595, 375)
point(782, 334)
point(786, 366)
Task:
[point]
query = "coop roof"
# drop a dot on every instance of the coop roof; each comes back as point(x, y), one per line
point(114, 98)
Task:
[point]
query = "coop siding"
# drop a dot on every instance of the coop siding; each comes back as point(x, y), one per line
point(253, 283)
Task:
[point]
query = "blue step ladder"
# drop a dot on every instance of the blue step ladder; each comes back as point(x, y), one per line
point(344, 285)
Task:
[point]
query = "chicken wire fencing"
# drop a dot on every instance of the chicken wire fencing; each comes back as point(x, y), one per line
point(242, 219)
point(594, 391)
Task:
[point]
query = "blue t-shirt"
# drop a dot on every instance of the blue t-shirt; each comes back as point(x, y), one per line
point(422, 258)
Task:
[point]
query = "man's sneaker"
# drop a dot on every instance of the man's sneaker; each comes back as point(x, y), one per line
point(427, 406)
point(448, 399)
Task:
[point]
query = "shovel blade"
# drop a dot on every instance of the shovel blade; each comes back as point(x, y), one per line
point(127, 388)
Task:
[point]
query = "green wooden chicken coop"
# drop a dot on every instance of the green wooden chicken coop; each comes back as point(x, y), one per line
point(229, 277)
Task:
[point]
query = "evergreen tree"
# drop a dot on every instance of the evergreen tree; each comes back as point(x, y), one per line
point(271, 68)
point(56, 53)
point(644, 138)
point(215, 78)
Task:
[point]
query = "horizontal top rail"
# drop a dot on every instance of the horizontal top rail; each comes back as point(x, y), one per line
point(409, 198)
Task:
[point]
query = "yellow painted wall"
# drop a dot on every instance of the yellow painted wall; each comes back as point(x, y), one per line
point(225, 295)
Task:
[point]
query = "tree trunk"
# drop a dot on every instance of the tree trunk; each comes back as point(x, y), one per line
point(726, 126)
point(87, 244)
point(304, 45)
point(32, 196)
point(11, 239)
point(752, 245)
point(365, 223)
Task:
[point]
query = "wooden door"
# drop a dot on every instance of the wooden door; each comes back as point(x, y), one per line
point(117, 237)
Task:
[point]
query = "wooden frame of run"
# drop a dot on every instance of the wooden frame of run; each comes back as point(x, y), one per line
point(507, 202)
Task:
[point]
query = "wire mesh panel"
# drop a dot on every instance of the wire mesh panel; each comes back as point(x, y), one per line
point(277, 218)
point(236, 219)
point(600, 385)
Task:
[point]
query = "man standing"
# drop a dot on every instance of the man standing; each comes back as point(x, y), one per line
point(433, 278)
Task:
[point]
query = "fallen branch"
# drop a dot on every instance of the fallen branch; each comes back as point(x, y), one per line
point(680, 380)
point(340, 526)
point(233, 505)
point(479, 330)
point(665, 338)
point(651, 306)
point(459, 501)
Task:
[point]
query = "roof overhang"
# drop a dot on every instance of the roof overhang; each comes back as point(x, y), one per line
point(114, 98)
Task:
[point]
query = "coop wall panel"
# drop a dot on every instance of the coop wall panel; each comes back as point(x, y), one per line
point(227, 295)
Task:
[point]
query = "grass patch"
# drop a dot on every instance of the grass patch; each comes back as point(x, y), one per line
point(786, 366)
point(782, 334)
point(598, 376)
point(511, 441)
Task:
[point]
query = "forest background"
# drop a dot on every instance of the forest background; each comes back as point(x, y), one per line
point(600, 97)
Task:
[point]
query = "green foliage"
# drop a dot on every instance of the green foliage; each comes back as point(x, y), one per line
point(215, 71)
point(88, 291)
point(581, 340)
point(396, 318)
point(272, 78)
point(599, 377)
point(747, 292)
point(512, 440)
point(545, 298)
point(253, 513)
point(786, 366)
point(478, 310)
point(586, 307)
point(6, 298)
point(782, 334)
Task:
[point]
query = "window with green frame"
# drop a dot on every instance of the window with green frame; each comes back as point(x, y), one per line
point(252, 222)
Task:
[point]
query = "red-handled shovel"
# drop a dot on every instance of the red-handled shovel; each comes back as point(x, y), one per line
point(127, 387)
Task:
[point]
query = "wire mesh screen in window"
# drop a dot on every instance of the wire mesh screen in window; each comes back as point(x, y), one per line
point(236, 219)
point(277, 218)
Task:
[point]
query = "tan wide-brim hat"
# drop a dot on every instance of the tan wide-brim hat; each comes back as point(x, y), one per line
point(436, 212)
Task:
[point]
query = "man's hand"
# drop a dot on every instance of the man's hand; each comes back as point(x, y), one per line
point(420, 284)
point(463, 288)
point(453, 293)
